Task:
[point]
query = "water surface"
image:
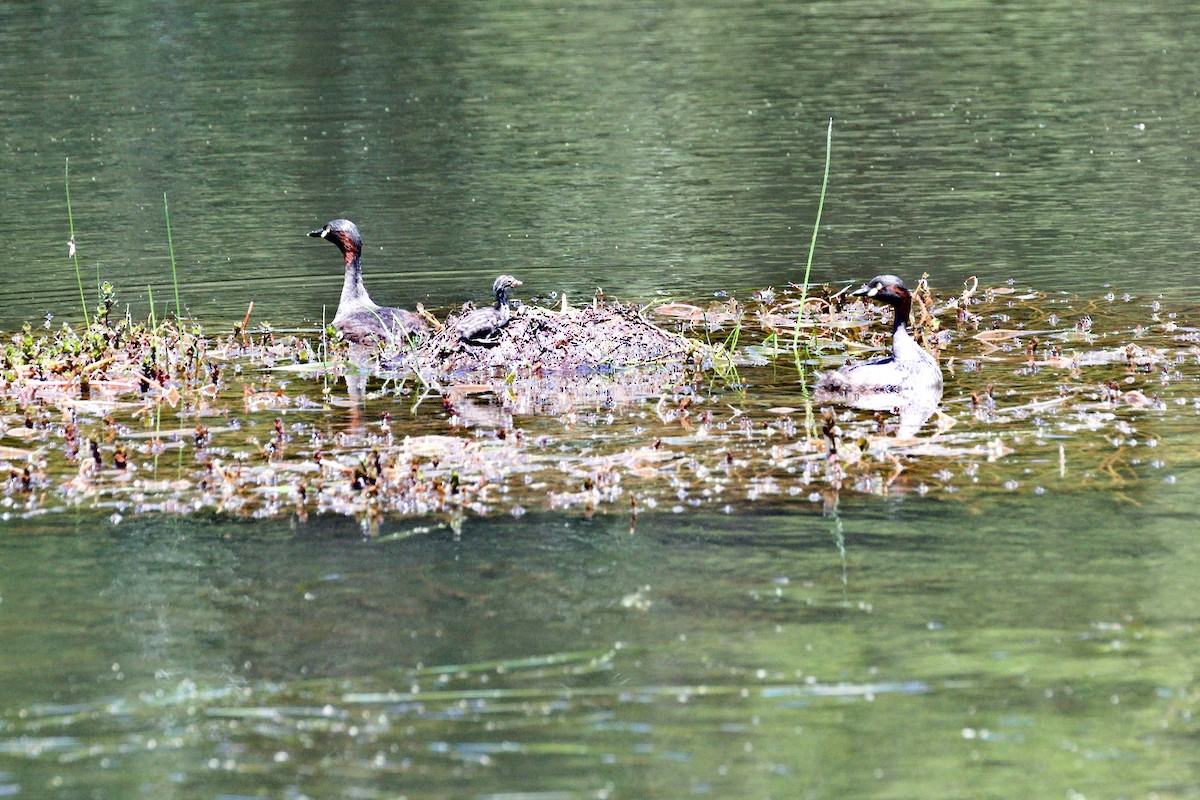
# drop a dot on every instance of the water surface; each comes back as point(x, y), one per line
point(922, 647)
point(1034, 631)
point(672, 148)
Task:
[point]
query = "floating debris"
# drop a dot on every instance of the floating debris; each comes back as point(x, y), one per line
point(588, 409)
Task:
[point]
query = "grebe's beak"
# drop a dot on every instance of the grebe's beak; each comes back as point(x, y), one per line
point(863, 291)
point(319, 232)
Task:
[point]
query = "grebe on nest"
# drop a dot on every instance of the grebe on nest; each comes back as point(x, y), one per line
point(482, 326)
point(909, 371)
point(358, 317)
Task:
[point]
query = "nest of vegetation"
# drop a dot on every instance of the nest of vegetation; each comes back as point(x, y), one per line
point(597, 338)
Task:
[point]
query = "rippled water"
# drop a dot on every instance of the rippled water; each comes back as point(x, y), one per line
point(944, 645)
point(920, 647)
point(669, 148)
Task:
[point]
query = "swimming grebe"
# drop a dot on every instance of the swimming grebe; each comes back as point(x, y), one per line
point(358, 317)
point(907, 371)
point(482, 326)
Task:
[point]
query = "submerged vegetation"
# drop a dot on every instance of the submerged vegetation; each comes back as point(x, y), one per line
point(141, 418)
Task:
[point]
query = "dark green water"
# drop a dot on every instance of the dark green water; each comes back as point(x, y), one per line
point(921, 647)
point(644, 147)
point(988, 644)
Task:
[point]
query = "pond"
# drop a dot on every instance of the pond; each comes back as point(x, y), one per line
point(671, 595)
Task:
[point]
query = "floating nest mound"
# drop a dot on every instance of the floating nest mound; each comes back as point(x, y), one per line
point(575, 341)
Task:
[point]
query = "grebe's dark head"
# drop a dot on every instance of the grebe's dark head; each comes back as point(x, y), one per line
point(886, 289)
point(502, 285)
point(889, 290)
point(343, 233)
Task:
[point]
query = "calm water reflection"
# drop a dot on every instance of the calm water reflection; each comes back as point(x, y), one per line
point(916, 648)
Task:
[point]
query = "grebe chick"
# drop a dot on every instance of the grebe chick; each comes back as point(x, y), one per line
point(358, 317)
point(910, 370)
point(482, 326)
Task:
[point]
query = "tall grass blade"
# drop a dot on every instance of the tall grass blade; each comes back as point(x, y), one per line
point(171, 248)
point(812, 247)
point(71, 245)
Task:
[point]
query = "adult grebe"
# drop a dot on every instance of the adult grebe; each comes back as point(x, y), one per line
point(482, 326)
point(908, 371)
point(358, 317)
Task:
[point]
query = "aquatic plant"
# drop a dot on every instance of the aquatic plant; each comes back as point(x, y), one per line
point(623, 418)
point(171, 250)
point(72, 251)
point(812, 247)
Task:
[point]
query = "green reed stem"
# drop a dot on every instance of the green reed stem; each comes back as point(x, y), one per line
point(812, 247)
point(171, 248)
point(157, 430)
point(71, 221)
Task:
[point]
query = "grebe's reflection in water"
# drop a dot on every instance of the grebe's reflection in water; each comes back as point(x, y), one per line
point(912, 407)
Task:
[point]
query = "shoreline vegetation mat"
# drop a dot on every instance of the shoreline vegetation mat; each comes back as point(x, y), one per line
point(607, 407)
